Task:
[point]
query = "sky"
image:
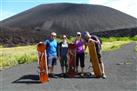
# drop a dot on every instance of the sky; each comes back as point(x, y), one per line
point(10, 8)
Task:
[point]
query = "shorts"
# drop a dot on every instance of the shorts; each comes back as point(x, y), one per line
point(51, 60)
point(80, 57)
point(63, 61)
point(98, 50)
point(99, 54)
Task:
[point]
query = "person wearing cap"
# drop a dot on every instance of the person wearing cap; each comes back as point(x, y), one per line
point(80, 55)
point(88, 37)
point(51, 49)
point(63, 50)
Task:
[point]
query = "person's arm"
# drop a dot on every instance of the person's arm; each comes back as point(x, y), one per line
point(57, 49)
point(96, 41)
point(85, 45)
point(46, 43)
point(74, 41)
point(68, 58)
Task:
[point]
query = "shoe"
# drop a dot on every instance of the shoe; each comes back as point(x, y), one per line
point(104, 76)
point(52, 75)
point(62, 74)
point(82, 74)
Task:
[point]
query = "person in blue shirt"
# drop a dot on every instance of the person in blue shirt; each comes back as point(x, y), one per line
point(51, 50)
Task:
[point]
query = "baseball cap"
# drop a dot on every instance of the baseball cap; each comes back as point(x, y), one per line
point(78, 33)
point(86, 33)
point(64, 36)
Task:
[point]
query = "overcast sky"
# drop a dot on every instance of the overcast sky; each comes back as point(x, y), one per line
point(9, 8)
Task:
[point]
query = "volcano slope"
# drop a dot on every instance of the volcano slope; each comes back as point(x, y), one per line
point(36, 23)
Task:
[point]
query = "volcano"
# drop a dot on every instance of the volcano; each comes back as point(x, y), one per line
point(67, 18)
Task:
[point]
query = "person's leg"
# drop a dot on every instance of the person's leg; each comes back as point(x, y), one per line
point(100, 61)
point(50, 69)
point(54, 59)
point(66, 64)
point(62, 64)
point(62, 69)
point(77, 62)
point(102, 68)
point(82, 63)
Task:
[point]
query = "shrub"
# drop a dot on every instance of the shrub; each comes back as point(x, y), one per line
point(134, 38)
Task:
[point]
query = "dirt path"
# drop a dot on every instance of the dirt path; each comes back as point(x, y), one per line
point(121, 71)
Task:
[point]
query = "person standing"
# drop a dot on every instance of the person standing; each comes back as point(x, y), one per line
point(63, 50)
point(88, 37)
point(51, 50)
point(80, 56)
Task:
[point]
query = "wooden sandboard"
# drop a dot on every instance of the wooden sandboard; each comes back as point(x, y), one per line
point(71, 60)
point(94, 59)
point(42, 61)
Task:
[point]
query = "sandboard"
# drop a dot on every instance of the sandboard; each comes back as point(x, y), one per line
point(71, 60)
point(42, 61)
point(94, 59)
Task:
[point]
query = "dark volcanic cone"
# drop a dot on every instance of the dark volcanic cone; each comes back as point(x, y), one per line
point(69, 18)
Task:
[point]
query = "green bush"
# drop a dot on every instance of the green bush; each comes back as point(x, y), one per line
point(134, 38)
point(23, 59)
point(123, 39)
point(111, 39)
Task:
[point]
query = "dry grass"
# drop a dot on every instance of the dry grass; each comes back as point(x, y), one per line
point(17, 55)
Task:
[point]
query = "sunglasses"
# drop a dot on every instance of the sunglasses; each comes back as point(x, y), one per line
point(53, 36)
point(78, 35)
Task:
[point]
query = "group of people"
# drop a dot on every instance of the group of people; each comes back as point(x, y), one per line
point(59, 51)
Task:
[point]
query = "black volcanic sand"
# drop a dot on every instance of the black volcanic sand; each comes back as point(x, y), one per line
point(35, 24)
point(68, 17)
point(121, 71)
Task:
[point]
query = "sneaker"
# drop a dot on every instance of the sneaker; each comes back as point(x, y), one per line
point(54, 76)
point(82, 74)
point(62, 74)
point(104, 76)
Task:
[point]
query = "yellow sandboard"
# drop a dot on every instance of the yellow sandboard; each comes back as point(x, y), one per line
point(94, 59)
